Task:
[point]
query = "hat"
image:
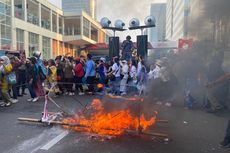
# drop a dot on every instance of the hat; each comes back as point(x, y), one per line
point(102, 59)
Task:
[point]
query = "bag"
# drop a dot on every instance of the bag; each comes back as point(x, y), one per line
point(112, 77)
point(122, 76)
point(11, 78)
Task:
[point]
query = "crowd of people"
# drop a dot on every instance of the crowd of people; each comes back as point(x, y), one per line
point(69, 76)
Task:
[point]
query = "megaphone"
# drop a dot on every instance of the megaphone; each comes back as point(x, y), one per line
point(150, 21)
point(119, 24)
point(105, 22)
point(134, 22)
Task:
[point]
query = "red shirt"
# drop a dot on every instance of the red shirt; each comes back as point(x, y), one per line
point(79, 70)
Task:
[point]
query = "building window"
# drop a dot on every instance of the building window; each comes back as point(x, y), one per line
point(19, 9)
point(94, 34)
point(5, 25)
point(33, 12)
point(45, 17)
point(46, 48)
point(33, 43)
point(20, 39)
point(54, 22)
point(72, 26)
point(60, 25)
point(86, 27)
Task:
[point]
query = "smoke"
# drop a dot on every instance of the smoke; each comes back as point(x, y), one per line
point(125, 10)
point(210, 22)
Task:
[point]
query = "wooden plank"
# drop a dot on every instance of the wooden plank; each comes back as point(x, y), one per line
point(162, 121)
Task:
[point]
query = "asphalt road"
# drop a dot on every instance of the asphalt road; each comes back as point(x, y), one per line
point(190, 131)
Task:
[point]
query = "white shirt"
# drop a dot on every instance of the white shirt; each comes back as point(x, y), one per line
point(116, 70)
point(125, 70)
point(139, 67)
point(133, 71)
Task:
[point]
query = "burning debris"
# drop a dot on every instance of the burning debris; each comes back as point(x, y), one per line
point(114, 123)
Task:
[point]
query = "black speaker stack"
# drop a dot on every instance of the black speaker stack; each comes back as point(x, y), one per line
point(114, 47)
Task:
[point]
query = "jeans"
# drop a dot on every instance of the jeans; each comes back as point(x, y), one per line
point(32, 91)
point(15, 91)
point(69, 84)
point(21, 83)
point(115, 86)
point(227, 136)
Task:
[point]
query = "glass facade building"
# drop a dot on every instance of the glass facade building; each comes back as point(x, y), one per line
point(5, 24)
point(89, 6)
point(38, 25)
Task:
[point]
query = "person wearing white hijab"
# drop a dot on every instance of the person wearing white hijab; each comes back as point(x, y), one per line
point(5, 68)
point(125, 75)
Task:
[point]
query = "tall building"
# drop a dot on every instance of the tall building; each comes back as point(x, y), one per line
point(158, 10)
point(177, 12)
point(89, 6)
point(37, 25)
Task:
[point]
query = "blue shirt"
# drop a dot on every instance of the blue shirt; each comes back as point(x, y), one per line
point(90, 68)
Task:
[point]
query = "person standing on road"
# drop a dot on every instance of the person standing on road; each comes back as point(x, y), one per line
point(102, 71)
point(216, 95)
point(132, 81)
point(31, 78)
point(60, 73)
point(5, 69)
point(68, 71)
point(124, 77)
point(222, 79)
point(90, 74)
point(41, 74)
point(115, 77)
point(79, 74)
point(127, 48)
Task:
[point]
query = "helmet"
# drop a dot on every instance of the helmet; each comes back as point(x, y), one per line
point(37, 54)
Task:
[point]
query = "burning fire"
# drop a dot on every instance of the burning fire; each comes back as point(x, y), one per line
point(114, 123)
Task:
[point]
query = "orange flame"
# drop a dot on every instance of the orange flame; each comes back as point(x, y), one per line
point(114, 123)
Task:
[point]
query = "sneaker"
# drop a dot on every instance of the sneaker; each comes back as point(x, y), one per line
point(159, 103)
point(2, 104)
point(35, 99)
point(81, 93)
point(73, 93)
point(30, 99)
point(66, 93)
point(8, 104)
point(168, 104)
point(70, 94)
point(14, 101)
point(225, 143)
point(123, 93)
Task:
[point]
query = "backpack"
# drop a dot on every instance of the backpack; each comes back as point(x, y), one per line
point(41, 73)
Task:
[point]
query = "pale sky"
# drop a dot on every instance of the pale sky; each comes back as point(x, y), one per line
point(122, 9)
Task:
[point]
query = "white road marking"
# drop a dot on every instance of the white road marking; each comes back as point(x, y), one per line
point(54, 141)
